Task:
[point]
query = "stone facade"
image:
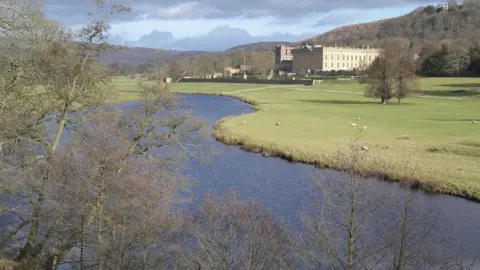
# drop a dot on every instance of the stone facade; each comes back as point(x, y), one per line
point(308, 59)
point(283, 57)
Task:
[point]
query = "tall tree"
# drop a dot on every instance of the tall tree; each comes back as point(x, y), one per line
point(391, 73)
point(457, 60)
point(474, 54)
point(435, 64)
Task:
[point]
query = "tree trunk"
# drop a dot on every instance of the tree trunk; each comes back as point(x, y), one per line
point(99, 237)
point(403, 235)
point(27, 251)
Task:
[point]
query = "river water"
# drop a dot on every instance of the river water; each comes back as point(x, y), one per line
point(285, 188)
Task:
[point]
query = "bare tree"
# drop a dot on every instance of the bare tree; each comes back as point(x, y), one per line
point(405, 74)
point(413, 234)
point(230, 234)
point(338, 234)
point(391, 74)
point(60, 205)
point(356, 227)
point(70, 76)
point(116, 185)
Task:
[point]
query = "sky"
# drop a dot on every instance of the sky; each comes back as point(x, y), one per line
point(196, 18)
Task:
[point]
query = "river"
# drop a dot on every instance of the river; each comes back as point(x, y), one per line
point(285, 188)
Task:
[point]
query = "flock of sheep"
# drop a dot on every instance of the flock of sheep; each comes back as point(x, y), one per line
point(365, 148)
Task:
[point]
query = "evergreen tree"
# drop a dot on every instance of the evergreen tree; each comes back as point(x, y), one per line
point(474, 54)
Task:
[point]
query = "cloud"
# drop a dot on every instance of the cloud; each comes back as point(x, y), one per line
point(72, 11)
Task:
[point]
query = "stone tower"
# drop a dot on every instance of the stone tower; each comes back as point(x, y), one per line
point(445, 5)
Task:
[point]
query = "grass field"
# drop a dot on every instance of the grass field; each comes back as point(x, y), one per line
point(443, 154)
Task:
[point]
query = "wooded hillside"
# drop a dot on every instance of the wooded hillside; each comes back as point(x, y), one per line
point(460, 23)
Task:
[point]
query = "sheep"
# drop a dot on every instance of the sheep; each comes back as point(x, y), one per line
point(364, 128)
point(244, 122)
point(474, 122)
point(364, 148)
point(354, 125)
point(358, 118)
point(405, 137)
point(277, 124)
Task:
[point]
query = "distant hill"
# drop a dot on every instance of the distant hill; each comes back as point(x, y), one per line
point(258, 46)
point(217, 40)
point(137, 55)
point(461, 24)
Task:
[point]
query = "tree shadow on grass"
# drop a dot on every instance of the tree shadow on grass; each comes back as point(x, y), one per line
point(473, 92)
point(450, 119)
point(349, 102)
point(463, 85)
point(334, 101)
point(128, 91)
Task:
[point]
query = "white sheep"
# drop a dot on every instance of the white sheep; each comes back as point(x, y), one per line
point(364, 128)
point(364, 148)
point(354, 125)
point(474, 122)
point(277, 124)
point(405, 137)
point(358, 118)
point(244, 122)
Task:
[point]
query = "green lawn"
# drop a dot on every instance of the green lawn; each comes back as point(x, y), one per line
point(315, 122)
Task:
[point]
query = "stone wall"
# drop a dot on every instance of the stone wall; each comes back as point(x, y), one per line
point(252, 81)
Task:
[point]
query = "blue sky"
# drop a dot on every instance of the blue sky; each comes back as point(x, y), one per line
point(195, 18)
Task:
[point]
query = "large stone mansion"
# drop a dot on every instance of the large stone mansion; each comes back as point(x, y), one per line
point(307, 59)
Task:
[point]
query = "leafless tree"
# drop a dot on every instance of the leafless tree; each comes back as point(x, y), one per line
point(116, 187)
point(391, 74)
point(338, 233)
point(356, 227)
point(70, 77)
point(230, 234)
point(90, 201)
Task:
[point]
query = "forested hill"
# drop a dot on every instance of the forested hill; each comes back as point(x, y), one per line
point(137, 55)
point(460, 23)
point(257, 47)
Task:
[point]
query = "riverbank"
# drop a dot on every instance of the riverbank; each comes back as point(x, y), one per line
point(301, 124)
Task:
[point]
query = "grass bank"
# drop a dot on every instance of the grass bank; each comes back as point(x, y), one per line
point(443, 154)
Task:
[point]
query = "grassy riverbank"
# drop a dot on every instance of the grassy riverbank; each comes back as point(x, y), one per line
point(443, 154)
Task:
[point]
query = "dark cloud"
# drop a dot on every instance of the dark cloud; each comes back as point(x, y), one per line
point(72, 11)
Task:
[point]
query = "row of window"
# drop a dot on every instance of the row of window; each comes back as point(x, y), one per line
point(348, 65)
point(349, 57)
